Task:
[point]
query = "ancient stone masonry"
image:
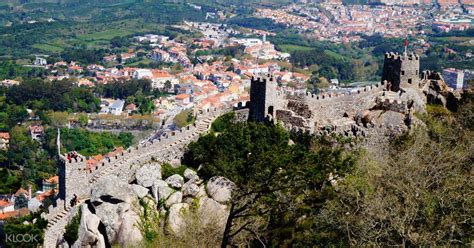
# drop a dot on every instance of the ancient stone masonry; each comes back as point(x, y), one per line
point(76, 179)
point(437, 92)
point(400, 70)
point(388, 105)
point(263, 98)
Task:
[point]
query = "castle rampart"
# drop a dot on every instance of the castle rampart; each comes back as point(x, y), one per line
point(401, 70)
point(399, 91)
point(76, 179)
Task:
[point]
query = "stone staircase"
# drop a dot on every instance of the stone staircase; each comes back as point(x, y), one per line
point(57, 226)
point(58, 217)
point(202, 126)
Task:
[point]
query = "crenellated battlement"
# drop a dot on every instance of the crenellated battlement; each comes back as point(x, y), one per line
point(76, 177)
point(401, 57)
point(262, 78)
point(397, 92)
point(336, 95)
point(401, 71)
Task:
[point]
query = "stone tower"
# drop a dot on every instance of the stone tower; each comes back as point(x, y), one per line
point(401, 70)
point(72, 178)
point(263, 98)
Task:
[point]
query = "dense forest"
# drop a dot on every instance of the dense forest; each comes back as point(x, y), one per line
point(62, 95)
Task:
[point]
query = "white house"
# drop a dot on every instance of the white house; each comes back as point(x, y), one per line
point(6, 206)
point(142, 73)
point(40, 61)
point(115, 108)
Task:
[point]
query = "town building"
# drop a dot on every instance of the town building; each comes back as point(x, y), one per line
point(36, 132)
point(4, 140)
point(183, 99)
point(115, 108)
point(51, 183)
point(457, 79)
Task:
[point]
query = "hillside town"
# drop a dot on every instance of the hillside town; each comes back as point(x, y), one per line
point(336, 22)
point(214, 83)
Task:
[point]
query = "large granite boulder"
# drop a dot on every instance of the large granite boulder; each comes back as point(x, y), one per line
point(191, 175)
point(111, 216)
point(220, 189)
point(175, 181)
point(148, 174)
point(175, 198)
point(161, 191)
point(190, 188)
point(129, 235)
point(211, 213)
point(140, 191)
point(89, 235)
point(111, 189)
point(177, 218)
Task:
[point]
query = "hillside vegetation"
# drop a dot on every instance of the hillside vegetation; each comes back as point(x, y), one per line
point(322, 192)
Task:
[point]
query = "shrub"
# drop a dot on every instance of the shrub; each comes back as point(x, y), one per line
point(72, 229)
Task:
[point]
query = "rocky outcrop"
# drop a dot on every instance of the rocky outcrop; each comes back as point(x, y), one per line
point(437, 92)
point(140, 191)
point(89, 234)
point(177, 218)
point(175, 181)
point(148, 174)
point(161, 191)
point(112, 201)
point(220, 189)
point(110, 217)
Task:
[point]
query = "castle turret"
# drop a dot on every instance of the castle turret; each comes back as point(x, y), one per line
point(401, 71)
point(72, 177)
point(263, 98)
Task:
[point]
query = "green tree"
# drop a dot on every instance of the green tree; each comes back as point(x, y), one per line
point(71, 233)
point(21, 202)
point(168, 86)
point(272, 178)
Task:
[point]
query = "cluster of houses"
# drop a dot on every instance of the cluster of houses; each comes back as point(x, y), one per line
point(36, 133)
point(260, 48)
point(24, 201)
point(214, 82)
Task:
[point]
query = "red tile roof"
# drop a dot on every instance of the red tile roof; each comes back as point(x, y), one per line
point(16, 213)
point(4, 135)
point(4, 203)
point(182, 96)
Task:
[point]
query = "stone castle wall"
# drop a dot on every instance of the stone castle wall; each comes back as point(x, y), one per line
point(75, 179)
point(401, 70)
point(329, 107)
point(354, 113)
